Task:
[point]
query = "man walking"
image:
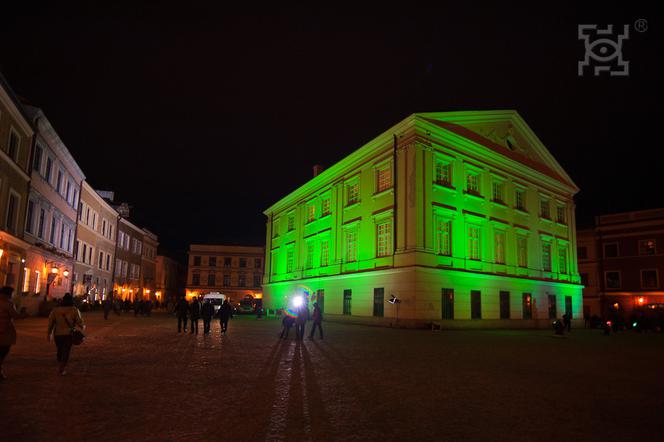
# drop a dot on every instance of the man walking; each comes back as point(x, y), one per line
point(225, 313)
point(107, 307)
point(567, 321)
point(317, 317)
point(301, 320)
point(181, 310)
point(195, 314)
point(207, 311)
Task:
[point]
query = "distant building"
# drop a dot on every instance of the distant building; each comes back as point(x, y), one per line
point(52, 211)
point(459, 217)
point(620, 261)
point(149, 265)
point(235, 271)
point(95, 246)
point(128, 261)
point(16, 134)
point(171, 277)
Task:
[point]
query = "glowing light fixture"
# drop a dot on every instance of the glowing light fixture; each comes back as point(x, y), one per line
point(66, 273)
point(640, 300)
point(54, 270)
point(297, 301)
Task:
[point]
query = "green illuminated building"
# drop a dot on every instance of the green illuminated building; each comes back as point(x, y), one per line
point(465, 217)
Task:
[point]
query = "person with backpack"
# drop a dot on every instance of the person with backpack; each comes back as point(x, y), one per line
point(62, 322)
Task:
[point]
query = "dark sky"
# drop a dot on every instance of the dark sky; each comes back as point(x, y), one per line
point(201, 119)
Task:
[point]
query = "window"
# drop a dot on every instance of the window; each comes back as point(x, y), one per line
point(546, 256)
point(584, 279)
point(40, 225)
point(257, 263)
point(520, 199)
point(504, 305)
point(498, 191)
point(26, 279)
point(53, 230)
point(612, 279)
point(108, 262)
point(103, 227)
point(611, 250)
point(227, 262)
point(443, 172)
point(291, 221)
point(553, 311)
point(47, 172)
point(309, 259)
point(290, 260)
point(197, 260)
point(582, 252)
point(324, 252)
point(499, 247)
point(74, 200)
point(379, 302)
point(560, 214)
point(474, 243)
point(475, 304)
point(241, 280)
point(257, 280)
point(12, 146)
point(649, 279)
point(444, 236)
point(568, 306)
point(210, 281)
point(473, 183)
point(447, 304)
point(12, 212)
point(212, 261)
point(351, 245)
point(527, 304)
point(353, 193)
point(227, 280)
point(196, 279)
point(647, 247)
point(311, 211)
point(275, 228)
point(37, 281)
point(383, 178)
point(100, 263)
point(384, 238)
point(243, 262)
point(36, 164)
point(28, 217)
point(562, 259)
point(325, 206)
point(545, 210)
point(522, 250)
point(68, 194)
point(348, 296)
point(58, 183)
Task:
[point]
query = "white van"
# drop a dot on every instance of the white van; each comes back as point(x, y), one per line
point(216, 299)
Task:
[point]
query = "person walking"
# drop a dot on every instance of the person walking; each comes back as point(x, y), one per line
point(195, 309)
point(287, 323)
point(182, 310)
point(567, 322)
point(108, 304)
point(61, 323)
point(225, 313)
point(317, 316)
point(7, 330)
point(207, 311)
point(301, 320)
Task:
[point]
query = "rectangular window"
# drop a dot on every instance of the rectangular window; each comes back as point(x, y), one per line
point(257, 263)
point(197, 260)
point(473, 183)
point(62, 235)
point(28, 217)
point(351, 245)
point(553, 310)
point(196, 279)
point(443, 172)
point(275, 228)
point(257, 280)
point(290, 260)
point(12, 148)
point(291, 221)
point(498, 191)
point(647, 247)
point(241, 280)
point(37, 281)
point(58, 183)
point(520, 199)
point(228, 262)
point(12, 212)
point(649, 279)
point(53, 230)
point(309, 260)
point(447, 304)
point(36, 164)
point(546, 256)
point(444, 236)
point(383, 178)
point(68, 194)
point(210, 281)
point(212, 261)
point(378, 302)
point(311, 212)
point(474, 243)
point(545, 209)
point(243, 262)
point(100, 262)
point(612, 279)
point(108, 262)
point(348, 297)
point(383, 238)
point(352, 193)
point(325, 206)
point(475, 304)
point(562, 260)
point(582, 252)
point(227, 280)
point(499, 247)
point(47, 172)
point(324, 252)
point(26, 279)
point(527, 303)
point(504, 305)
point(560, 214)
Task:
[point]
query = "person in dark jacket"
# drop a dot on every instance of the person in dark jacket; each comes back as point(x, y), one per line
point(317, 317)
point(225, 313)
point(567, 322)
point(301, 320)
point(182, 310)
point(207, 311)
point(108, 304)
point(195, 309)
point(287, 323)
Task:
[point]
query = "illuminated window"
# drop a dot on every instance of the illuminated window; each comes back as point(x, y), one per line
point(560, 214)
point(546, 256)
point(474, 243)
point(498, 191)
point(37, 281)
point(647, 247)
point(562, 259)
point(443, 172)
point(324, 252)
point(383, 178)
point(612, 279)
point(522, 250)
point(291, 221)
point(444, 236)
point(26, 279)
point(351, 245)
point(309, 259)
point(290, 260)
point(473, 183)
point(353, 193)
point(311, 212)
point(649, 279)
point(545, 209)
point(499, 247)
point(384, 238)
point(520, 199)
point(325, 206)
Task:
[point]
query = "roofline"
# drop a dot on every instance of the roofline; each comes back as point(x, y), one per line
point(18, 107)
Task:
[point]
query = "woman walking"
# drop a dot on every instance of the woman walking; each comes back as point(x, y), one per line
point(61, 324)
point(7, 331)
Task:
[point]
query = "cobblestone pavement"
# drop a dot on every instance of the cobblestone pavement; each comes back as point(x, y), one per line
point(137, 379)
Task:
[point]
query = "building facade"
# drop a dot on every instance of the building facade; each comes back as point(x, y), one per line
point(459, 217)
point(235, 271)
point(620, 261)
point(128, 260)
point(16, 135)
point(171, 276)
point(149, 265)
point(51, 213)
point(94, 250)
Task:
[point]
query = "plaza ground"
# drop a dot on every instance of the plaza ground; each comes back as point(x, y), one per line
point(137, 379)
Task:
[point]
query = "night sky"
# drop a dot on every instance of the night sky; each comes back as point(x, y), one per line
point(201, 120)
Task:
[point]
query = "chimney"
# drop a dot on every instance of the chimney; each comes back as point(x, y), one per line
point(318, 169)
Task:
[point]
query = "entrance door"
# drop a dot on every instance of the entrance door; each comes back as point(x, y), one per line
point(320, 299)
point(568, 306)
point(504, 305)
point(447, 304)
point(379, 300)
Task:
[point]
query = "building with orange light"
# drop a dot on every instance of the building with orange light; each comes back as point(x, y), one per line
point(620, 262)
point(128, 260)
point(235, 271)
point(149, 265)
point(171, 276)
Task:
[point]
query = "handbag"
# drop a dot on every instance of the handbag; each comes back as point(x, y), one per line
point(77, 336)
